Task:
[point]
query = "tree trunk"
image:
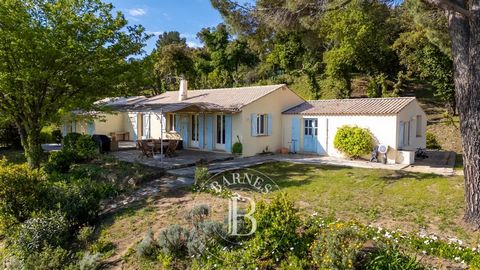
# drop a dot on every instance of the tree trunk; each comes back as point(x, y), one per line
point(30, 137)
point(465, 34)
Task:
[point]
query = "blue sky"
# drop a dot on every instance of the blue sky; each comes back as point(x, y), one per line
point(185, 16)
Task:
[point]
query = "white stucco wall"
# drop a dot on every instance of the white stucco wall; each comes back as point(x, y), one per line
point(274, 103)
point(410, 113)
point(385, 129)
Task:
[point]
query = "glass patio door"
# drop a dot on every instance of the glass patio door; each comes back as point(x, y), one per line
point(220, 132)
point(195, 131)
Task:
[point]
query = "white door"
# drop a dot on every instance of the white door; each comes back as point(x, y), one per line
point(220, 132)
point(195, 131)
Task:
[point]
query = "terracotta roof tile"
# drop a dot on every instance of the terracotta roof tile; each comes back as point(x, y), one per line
point(361, 106)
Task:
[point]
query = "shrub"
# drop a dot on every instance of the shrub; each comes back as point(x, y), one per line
point(393, 259)
point(60, 161)
point(201, 175)
point(85, 235)
point(20, 192)
point(51, 258)
point(70, 140)
point(46, 137)
point(205, 234)
point(9, 135)
point(89, 261)
point(57, 135)
point(237, 148)
point(46, 229)
point(198, 213)
point(353, 141)
point(432, 142)
point(83, 147)
point(148, 246)
point(337, 247)
point(79, 199)
point(173, 241)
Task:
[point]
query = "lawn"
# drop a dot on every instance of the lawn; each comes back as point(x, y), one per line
point(394, 200)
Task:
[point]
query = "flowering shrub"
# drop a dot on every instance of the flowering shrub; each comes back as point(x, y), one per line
point(284, 241)
point(50, 229)
point(337, 246)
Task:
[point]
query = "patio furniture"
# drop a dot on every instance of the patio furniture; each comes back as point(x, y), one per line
point(171, 147)
point(120, 135)
point(146, 149)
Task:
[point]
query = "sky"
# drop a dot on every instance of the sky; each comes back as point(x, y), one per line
point(157, 16)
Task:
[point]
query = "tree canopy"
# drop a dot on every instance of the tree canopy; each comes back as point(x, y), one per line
point(58, 56)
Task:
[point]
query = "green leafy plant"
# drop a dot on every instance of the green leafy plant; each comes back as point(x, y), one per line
point(83, 147)
point(46, 229)
point(391, 258)
point(353, 141)
point(201, 175)
point(60, 161)
point(237, 148)
point(20, 192)
point(432, 142)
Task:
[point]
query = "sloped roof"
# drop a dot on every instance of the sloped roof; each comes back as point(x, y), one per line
point(361, 106)
point(223, 99)
point(228, 98)
point(119, 102)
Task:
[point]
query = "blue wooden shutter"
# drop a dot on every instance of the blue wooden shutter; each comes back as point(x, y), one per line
point(185, 130)
point(254, 124)
point(201, 127)
point(177, 123)
point(209, 132)
point(91, 128)
point(74, 127)
point(133, 121)
point(228, 133)
point(295, 134)
point(64, 130)
point(269, 123)
point(402, 138)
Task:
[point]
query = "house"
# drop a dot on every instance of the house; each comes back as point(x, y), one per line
point(211, 120)
point(398, 122)
point(262, 118)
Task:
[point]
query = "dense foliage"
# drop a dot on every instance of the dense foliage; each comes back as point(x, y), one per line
point(57, 56)
point(353, 141)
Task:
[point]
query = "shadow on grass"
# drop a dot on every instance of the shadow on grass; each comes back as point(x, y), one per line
point(395, 176)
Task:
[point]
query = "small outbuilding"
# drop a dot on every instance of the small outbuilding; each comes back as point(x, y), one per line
point(400, 123)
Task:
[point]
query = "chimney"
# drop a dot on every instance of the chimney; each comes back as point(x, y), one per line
point(182, 93)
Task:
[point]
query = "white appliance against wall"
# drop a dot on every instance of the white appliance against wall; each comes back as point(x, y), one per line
point(383, 149)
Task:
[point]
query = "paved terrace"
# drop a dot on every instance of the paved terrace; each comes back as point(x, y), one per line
point(183, 165)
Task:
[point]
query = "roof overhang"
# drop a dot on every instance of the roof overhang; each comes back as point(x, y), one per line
point(180, 107)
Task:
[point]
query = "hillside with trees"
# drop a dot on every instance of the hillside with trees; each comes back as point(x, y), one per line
point(353, 49)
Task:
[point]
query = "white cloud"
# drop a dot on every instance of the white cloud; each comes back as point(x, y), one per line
point(188, 35)
point(193, 44)
point(135, 12)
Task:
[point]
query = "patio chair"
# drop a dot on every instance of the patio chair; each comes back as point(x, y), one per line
point(172, 146)
point(145, 148)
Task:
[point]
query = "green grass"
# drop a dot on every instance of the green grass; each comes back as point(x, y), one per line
point(394, 199)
